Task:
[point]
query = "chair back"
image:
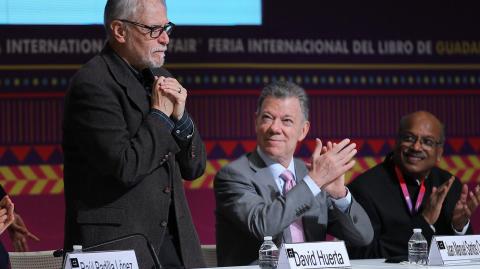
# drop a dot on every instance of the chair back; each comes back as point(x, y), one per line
point(36, 259)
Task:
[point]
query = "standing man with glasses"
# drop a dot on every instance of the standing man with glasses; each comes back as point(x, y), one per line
point(408, 191)
point(128, 141)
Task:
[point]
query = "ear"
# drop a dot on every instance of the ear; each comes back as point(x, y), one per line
point(118, 31)
point(304, 130)
point(439, 154)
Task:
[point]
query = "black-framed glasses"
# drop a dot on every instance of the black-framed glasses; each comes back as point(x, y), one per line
point(155, 30)
point(426, 142)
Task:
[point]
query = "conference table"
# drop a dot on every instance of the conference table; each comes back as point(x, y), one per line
point(380, 264)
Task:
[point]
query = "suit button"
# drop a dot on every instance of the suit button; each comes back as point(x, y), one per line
point(167, 189)
point(163, 223)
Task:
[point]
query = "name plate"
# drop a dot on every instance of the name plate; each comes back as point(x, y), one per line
point(314, 255)
point(448, 250)
point(123, 259)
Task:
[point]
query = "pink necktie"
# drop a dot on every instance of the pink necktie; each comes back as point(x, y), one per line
point(296, 228)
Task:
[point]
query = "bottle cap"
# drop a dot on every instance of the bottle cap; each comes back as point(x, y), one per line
point(417, 230)
point(267, 238)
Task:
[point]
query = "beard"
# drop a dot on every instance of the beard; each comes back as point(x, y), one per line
point(146, 60)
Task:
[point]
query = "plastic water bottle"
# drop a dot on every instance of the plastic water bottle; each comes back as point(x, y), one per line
point(417, 248)
point(268, 254)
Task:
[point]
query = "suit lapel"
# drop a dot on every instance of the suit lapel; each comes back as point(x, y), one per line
point(300, 170)
point(261, 172)
point(124, 76)
point(313, 217)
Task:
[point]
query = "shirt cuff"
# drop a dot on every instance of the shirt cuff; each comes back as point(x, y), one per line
point(184, 127)
point(463, 231)
point(312, 185)
point(163, 118)
point(343, 203)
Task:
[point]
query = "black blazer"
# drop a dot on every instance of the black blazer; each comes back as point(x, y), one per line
point(122, 165)
point(379, 192)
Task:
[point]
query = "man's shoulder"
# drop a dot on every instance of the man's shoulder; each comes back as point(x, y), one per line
point(237, 165)
point(91, 69)
point(441, 174)
point(371, 177)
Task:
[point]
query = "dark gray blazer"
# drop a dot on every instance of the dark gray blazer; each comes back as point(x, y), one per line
point(250, 206)
point(122, 165)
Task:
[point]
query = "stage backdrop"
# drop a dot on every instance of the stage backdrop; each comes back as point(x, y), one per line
point(361, 74)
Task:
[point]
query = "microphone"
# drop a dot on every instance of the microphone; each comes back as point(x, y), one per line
point(105, 246)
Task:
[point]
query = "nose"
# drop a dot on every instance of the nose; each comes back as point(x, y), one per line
point(163, 39)
point(275, 127)
point(417, 145)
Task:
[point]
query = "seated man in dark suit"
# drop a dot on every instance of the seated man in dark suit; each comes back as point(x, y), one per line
point(408, 191)
point(268, 192)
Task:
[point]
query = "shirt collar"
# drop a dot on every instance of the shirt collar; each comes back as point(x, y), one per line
point(275, 167)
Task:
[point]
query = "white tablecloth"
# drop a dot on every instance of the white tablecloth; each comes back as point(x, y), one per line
point(380, 264)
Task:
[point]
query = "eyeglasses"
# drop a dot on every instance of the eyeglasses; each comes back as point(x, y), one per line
point(155, 30)
point(426, 142)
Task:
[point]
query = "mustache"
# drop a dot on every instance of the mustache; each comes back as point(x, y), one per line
point(414, 153)
point(159, 49)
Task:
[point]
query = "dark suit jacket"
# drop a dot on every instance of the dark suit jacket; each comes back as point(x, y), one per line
point(379, 192)
point(250, 206)
point(123, 167)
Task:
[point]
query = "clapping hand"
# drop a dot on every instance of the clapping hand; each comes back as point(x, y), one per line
point(329, 164)
point(6, 213)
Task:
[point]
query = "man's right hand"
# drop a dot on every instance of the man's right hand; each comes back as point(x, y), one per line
point(434, 204)
point(159, 98)
point(333, 163)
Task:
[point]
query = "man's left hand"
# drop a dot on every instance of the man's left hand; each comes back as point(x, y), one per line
point(178, 95)
point(465, 206)
point(336, 188)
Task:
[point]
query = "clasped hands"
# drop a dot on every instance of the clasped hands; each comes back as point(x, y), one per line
point(464, 208)
point(169, 96)
point(329, 164)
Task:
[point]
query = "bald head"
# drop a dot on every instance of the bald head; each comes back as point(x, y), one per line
point(419, 144)
point(414, 118)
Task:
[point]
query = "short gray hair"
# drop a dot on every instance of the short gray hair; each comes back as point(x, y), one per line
point(121, 9)
point(285, 89)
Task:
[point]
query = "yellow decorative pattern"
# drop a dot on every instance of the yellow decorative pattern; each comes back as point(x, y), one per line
point(48, 179)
